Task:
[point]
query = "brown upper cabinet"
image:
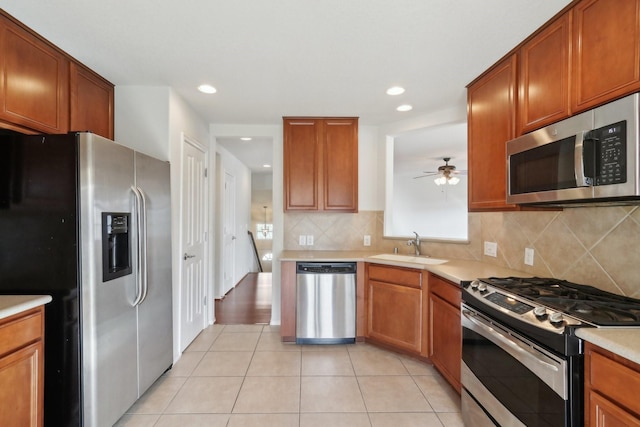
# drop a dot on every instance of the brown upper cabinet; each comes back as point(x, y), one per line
point(543, 83)
point(91, 102)
point(588, 55)
point(491, 123)
point(34, 81)
point(44, 90)
point(606, 51)
point(321, 164)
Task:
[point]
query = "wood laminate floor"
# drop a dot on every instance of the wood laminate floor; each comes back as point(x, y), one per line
point(249, 303)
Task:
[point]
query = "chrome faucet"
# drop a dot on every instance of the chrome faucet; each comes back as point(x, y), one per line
point(416, 243)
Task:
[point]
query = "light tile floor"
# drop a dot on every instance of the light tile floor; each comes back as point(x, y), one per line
point(242, 375)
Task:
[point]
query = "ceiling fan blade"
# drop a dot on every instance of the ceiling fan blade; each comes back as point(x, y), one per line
point(426, 176)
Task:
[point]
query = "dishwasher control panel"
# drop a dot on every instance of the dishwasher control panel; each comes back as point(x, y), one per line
point(326, 267)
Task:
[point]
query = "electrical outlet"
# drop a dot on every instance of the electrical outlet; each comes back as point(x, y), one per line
point(309, 239)
point(367, 240)
point(491, 249)
point(302, 240)
point(528, 256)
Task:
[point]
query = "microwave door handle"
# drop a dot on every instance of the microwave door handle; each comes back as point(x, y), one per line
point(582, 180)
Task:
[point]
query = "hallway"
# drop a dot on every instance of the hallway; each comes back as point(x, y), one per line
point(248, 303)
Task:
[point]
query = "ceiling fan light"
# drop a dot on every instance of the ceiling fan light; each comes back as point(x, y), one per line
point(440, 180)
point(454, 180)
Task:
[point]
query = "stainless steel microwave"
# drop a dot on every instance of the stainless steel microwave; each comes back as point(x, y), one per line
point(591, 157)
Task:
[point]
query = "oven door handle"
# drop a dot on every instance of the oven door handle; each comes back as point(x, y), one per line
point(548, 369)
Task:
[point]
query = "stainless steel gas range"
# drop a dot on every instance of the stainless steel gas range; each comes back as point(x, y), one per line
point(522, 363)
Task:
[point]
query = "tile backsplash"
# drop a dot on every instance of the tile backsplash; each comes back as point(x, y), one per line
point(596, 246)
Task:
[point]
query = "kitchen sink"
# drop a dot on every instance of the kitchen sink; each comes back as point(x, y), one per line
point(410, 258)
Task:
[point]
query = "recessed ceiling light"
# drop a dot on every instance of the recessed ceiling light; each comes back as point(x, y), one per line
point(405, 107)
point(266, 166)
point(207, 89)
point(245, 138)
point(395, 90)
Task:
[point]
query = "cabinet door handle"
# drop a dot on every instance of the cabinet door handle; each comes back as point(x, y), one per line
point(187, 256)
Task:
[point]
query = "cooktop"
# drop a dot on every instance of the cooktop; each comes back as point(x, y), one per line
point(590, 304)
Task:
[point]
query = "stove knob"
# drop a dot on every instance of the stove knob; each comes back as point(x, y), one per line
point(555, 317)
point(474, 284)
point(482, 287)
point(540, 311)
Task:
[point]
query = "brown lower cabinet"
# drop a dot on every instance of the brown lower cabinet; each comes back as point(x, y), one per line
point(417, 313)
point(22, 368)
point(403, 309)
point(611, 389)
point(445, 329)
point(396, 307)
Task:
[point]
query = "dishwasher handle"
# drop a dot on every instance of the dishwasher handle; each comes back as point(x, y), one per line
point(325, 267)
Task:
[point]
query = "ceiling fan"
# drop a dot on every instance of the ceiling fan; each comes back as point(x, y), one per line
point(446, 173)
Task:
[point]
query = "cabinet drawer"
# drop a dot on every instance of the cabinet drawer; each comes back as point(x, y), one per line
point(397, 275)
point(20, 330)
point(607, 413)
point(448, 291)
point(615, 381)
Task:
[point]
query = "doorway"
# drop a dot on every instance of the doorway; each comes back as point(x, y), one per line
point(248, 298)
point(193, 283)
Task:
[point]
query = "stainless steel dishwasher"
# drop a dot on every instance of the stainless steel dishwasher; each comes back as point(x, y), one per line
point(325, 302)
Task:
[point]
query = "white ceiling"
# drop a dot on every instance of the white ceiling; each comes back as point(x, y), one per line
point(423, 150)
point(273, 58)
point(254, 154)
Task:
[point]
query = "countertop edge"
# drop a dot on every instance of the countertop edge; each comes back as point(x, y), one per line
point(454, 270)
point(14, 304)
point(621, 341)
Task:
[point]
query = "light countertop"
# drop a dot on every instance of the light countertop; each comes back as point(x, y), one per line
point(622, 341)
point(455, 270)
point(14, 304)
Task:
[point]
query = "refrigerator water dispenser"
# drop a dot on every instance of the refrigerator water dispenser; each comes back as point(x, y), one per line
point(116, 245)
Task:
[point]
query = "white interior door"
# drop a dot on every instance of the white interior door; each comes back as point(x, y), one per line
point(194, 214)
point(229, 233)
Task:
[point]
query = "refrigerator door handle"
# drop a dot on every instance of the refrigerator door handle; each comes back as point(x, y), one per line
point(141, 273)
point(143, 239)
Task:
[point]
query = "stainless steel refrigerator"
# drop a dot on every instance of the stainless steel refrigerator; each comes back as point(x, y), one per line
point(87, 221)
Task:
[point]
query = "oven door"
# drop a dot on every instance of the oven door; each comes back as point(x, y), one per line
point(508, 380)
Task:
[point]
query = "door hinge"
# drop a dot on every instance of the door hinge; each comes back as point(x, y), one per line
point(205, 300)
point(206, 172)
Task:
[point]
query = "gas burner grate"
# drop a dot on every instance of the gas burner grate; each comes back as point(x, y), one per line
point(587, 303)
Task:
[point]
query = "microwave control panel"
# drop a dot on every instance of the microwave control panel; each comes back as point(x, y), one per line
point(611, 154)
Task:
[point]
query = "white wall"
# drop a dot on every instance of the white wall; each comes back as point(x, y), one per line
point(243, 251)
point(141, 119)
point(152, 119)
point(370, 173)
